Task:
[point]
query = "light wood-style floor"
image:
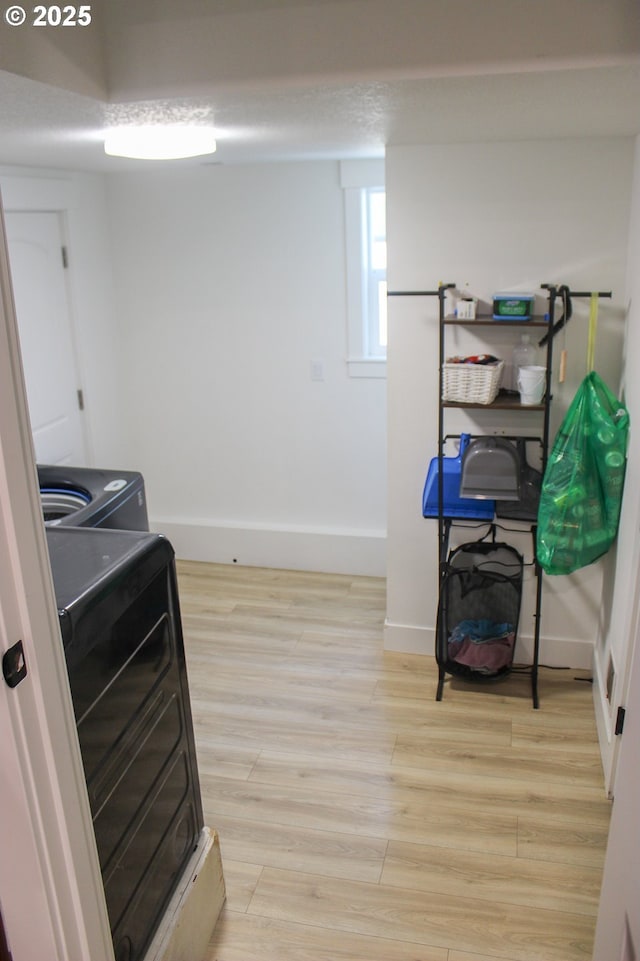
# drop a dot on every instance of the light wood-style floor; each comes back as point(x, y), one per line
point(360, 820)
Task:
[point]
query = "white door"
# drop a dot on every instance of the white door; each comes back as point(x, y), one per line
point(46, 337)
point(618, 928)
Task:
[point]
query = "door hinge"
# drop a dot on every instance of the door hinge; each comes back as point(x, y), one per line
point(80, 399)
point(620, 720)
point(65, 257)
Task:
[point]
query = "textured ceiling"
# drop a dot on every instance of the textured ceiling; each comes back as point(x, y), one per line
point(266, 108)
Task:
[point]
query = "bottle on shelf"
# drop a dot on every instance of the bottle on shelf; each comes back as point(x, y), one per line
point(525, 354)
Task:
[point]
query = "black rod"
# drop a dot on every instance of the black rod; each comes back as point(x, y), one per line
point(442, 534)
point(420, 293)
point(547, 393)
point(589, 293)
point(537, 618)
point(511, 437)
point(581, 293)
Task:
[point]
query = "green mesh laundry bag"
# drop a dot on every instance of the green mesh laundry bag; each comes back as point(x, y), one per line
point(582, 486)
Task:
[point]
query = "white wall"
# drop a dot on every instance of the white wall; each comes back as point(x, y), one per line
point(229, 282)
point(495, 216)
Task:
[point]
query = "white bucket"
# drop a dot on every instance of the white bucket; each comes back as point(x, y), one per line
point(531, 384)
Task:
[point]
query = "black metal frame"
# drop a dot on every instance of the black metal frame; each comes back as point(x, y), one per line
point(444, 523)
point(455, 571)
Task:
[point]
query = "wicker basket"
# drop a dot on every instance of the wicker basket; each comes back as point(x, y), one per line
point(471, 383)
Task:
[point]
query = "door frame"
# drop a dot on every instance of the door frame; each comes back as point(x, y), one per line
point(621, 874)
point(51, 892)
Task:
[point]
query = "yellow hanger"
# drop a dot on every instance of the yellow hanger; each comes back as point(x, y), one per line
point(593, 327)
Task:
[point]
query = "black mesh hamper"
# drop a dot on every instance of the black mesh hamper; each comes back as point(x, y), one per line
point(478, 611)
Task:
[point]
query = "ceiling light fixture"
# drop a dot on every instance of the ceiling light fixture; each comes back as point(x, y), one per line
point(160, 141)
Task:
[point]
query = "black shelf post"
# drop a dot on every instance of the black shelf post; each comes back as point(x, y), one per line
point(445, 524)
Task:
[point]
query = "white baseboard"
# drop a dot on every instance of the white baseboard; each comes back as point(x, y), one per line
point(604, 724)
point(556, 652)
point(409, 639)
point(329, 551)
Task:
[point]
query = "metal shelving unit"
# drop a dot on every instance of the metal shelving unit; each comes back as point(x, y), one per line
point(503, 402)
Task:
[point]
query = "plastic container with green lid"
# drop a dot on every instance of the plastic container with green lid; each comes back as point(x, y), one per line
point(513, 306)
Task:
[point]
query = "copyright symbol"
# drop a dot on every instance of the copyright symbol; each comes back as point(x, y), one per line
point(15, 16)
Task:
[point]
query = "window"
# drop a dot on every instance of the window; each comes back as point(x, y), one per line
point(366, 253)
point(375, 270)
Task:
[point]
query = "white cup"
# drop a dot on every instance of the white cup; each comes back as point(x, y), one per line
point(531, 384)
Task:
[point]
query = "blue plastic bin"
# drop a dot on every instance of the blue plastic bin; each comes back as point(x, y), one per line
point(453, 506)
